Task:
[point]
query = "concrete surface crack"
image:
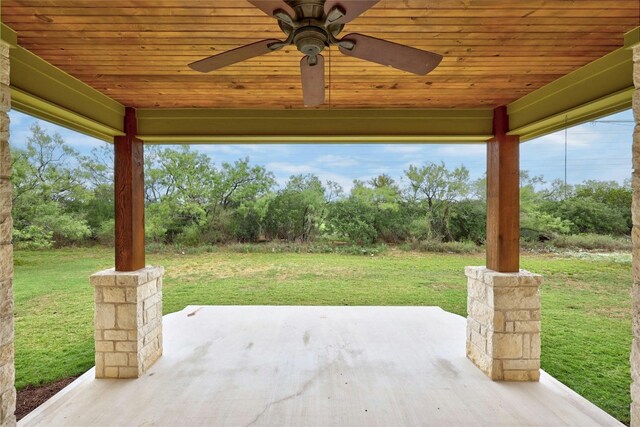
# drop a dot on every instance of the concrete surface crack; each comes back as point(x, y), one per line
point(193, 313)
point(298, 393)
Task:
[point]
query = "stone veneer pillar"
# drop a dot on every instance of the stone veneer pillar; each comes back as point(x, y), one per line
point(7, 370)
point(635, 210)
point(128, 321)
point(503, 323)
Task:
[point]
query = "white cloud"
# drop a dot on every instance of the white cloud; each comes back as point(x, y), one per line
point(464, 150)
point(216, 149)
point(241, 149)
point(334, 161)
point(17, 119)
point(283, 170)
point(344, 181)
point(381, 170)
point(289, 168)
point(18, 138)
point(20, 132)
point(77, 140)
point(403, 149)
point(578, 136)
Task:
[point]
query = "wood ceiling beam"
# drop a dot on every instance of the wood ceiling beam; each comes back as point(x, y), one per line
point(314, 126)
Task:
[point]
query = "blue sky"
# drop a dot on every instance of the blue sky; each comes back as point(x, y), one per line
point(597, 150)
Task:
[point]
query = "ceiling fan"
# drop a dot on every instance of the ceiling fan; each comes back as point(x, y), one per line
point(312, 25)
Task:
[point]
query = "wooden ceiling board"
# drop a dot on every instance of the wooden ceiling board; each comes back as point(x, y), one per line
point(495, 51)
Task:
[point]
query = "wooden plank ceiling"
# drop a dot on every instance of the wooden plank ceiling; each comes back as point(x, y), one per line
point(137, 51)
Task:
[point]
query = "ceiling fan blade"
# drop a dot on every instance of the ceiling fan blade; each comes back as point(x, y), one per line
point(233, 56)
point(395, 55)
point(312, 81)
point(270, 6)
point(351, 8)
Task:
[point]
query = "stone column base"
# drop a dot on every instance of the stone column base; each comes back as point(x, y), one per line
point(503, 323)
point(128, 321)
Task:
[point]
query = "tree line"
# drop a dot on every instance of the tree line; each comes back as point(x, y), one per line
point(61, 197)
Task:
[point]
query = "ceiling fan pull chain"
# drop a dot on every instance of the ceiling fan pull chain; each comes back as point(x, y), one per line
point(329, 49)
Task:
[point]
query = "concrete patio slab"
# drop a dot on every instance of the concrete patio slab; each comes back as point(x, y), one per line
point(315, 366)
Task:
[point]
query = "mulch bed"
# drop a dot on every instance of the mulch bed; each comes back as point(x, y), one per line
point(30, 397)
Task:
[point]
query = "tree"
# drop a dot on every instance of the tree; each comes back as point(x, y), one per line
point(612, 194)
point(200, 203)
point(240, 182)
point(436, 187)
point(99, 208)
point(62, 197)
point(469, 221)
point(536, 223)
point(557, 191)
point(353, 218)
point(179, 181)
point(49, 192)
point(384, 198)
point(588, 215)
point(298, 210)
point(240, 199)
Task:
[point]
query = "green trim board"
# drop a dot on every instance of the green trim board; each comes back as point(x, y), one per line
point(45, 91)
point(587, 112)
point(632, 38)
point(302, 139)
point(301, 126)
point(8, 36)
point(45, 110)
point(600, 88)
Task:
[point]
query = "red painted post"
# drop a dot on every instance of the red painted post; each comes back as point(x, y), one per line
point(129, 197)
point(503, 196)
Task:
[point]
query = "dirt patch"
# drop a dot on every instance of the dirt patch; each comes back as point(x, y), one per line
point(30, 397)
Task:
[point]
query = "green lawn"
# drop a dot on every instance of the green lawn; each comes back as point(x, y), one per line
point(585, 303)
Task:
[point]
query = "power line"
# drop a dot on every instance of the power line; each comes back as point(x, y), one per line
point(613, 121)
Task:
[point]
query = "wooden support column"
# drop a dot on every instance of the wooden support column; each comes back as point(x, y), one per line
point(503, 302)
point(503, 196)
point(129, 197)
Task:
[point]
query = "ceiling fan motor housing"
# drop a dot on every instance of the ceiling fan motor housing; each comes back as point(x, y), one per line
point(307, 9)
point(310, 40)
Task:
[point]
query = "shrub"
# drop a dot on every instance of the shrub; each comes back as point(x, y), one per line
point(420, 228)
point(592, 242)
point(32, 237)
point(536, 225)
point(465, 247)
point(590, 216)
point(468, 221)
point(353, 219)
point(290, 247)
point(106, 233)
point(190, 236)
